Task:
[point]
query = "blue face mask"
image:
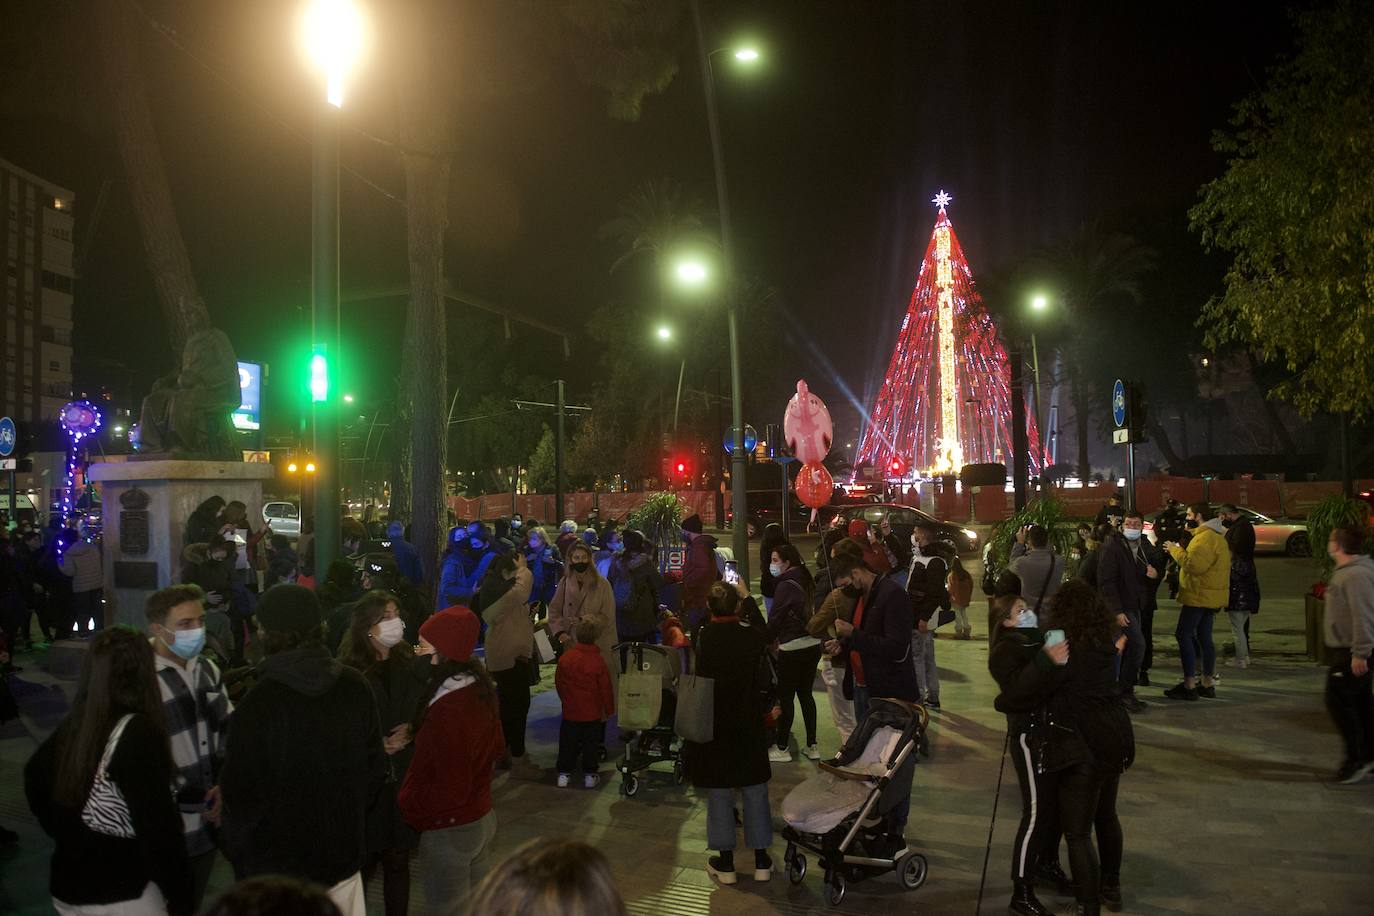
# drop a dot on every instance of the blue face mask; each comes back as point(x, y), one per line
point(188, 643)
point(1132, 534)
point(775, 569)
point(1026, 619)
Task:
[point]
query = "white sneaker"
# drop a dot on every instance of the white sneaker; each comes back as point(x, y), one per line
point(591, 780)
point(779, 754)
point(564, 779)
point(812, 752)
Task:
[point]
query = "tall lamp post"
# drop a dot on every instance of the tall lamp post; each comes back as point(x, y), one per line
point(1039, 303)
point(738, 459)
point(332, 34)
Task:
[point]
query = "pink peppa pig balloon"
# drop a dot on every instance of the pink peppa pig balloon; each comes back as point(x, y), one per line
point(806, 426)
point(814, 485)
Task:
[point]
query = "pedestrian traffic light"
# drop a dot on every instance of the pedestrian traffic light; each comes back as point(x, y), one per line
point(319, 376)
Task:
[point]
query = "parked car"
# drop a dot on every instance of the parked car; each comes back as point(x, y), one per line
point(285, 518)
point(904, 520)
point(765, 508)
point(1271, 535)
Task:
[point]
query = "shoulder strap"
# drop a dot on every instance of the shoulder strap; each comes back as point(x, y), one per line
point(113, 742)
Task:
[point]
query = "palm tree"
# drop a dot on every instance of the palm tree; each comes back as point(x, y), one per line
point(656, 218)
point(1094, 270)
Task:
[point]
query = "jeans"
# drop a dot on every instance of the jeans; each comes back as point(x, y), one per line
point(1240, 629)
point(841, 710)
point(961, 624)
point(1351, 704)
point(1132, 657)
point(513, 687)
point(452, 861)
point(580, 741)
point(796, 678)
point(1039, 825)
point(720, 818)
point(1196, 623)
point(923, 655)
point(1080, 787)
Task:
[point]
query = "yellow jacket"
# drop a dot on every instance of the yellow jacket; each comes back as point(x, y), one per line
point(1204, 577)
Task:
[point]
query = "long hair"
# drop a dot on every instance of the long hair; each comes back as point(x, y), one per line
point(447, 668)
point(1083, 616)
point(118, 677)
point(550, 878)
point(999, 609)
point(573, 548)
point(356, 650)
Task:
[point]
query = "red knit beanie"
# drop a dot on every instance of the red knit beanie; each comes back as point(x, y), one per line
point(452, 632)
point(858, 528)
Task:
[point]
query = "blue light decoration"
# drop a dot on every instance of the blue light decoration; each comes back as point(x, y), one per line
point(80, 420)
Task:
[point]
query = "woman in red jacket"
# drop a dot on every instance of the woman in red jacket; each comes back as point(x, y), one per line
point(446, 795)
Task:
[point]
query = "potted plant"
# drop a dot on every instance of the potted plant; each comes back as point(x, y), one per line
point(1332, 512)
point(1048, 513)
point(659, 519)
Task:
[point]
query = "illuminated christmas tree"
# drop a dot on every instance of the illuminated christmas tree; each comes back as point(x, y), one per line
point(946, 398)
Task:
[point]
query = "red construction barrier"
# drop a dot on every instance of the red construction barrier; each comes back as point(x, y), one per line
point(576, 505)
point(1260, 495)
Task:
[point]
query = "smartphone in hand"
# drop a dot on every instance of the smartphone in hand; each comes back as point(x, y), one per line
point(732, 572)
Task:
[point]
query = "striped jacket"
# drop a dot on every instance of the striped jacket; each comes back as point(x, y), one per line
point(197, 710)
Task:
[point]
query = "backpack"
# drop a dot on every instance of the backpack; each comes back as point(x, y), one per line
point(640, 612)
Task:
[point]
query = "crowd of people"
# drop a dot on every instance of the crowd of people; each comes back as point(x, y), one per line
point(324, 733)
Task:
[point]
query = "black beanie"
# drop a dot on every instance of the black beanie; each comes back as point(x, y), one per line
point(692, 523)
point(288, 609)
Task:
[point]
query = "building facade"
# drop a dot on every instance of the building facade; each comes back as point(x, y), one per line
point(36, 222)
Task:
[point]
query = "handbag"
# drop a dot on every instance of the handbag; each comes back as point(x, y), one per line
point(695, 718)
point(106, 812)
point(543, 647)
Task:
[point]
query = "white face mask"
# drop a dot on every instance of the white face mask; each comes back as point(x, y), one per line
point(775, 569)
point(389, 632)
point(1026, 619)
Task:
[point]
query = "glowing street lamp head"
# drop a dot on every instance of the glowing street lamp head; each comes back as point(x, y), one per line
point(333, 34)
point(348, 399)
point(1040, 302)
point(291, 468)
point(691, 273)
point(664, 332)
point(747, 55)
point(310, 467)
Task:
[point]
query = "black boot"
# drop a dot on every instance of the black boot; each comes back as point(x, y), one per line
point(1024, 901)
point(1111, 894)
point(1052, 877)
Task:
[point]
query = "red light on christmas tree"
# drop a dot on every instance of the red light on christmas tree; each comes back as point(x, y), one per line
point(946, 398)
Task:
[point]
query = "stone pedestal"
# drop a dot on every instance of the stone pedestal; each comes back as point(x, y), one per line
point(145, 506)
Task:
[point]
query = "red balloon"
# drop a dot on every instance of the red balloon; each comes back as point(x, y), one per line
point(814, 485)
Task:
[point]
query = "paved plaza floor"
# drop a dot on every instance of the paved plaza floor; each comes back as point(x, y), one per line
point(1228, 808)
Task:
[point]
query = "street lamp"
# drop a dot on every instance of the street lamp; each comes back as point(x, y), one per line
point(333, 38)
point(665, 332)
point(1039, 303)
point(690, 272)
point(738, 458)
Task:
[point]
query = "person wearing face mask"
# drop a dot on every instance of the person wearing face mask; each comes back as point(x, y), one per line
point(1204, 585)
point(798, 652)
point(375, 646)
point(197, 710)
point(505, 597)
point(1026, 671)
point(446, 794)
point(545, 567)
point(584, 593)
point(1119, 581)
point(205, 565)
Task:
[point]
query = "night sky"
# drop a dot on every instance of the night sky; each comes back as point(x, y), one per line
point(1036, 117)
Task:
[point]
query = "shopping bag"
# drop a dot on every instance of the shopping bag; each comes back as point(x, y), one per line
point(639, 700)
point(544, 646)
point(696, 708)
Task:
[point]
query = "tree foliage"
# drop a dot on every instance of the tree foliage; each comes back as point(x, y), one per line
point(1296, 209)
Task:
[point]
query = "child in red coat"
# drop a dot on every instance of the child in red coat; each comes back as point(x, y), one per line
point(584, 686)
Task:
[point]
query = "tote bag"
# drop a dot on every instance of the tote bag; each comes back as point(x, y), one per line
point(639, 700)
point(696, 708)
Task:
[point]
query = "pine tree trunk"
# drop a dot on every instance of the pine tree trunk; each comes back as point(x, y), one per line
point(426, 117)
point(182, 306)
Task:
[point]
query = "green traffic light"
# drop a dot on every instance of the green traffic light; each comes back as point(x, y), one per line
point(319, 377)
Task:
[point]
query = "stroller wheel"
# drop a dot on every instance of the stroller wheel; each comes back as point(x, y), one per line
point(630, 785)
point(834, 889)
point(679, 772)
point(796, 869)
point(912, 868)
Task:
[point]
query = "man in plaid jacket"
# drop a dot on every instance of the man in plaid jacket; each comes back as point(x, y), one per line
point(197, 710)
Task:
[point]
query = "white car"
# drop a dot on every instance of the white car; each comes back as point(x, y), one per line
point(1272, 535)
point(285, 518)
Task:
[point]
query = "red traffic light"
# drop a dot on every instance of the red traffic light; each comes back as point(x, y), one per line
point(682, 467)
point(896, 466)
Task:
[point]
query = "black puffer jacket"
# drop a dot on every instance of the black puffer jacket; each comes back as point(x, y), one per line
point(791, 609)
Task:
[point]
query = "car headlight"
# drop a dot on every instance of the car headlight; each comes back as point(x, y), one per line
point(971, 535)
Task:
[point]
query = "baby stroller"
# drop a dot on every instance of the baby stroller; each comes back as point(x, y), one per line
point(839, 814)
point(646, 704)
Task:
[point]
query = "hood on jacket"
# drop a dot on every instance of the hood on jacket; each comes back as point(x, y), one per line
point(1216, 525)
point(308, 670)
point(195, 554)
point(1362, 564)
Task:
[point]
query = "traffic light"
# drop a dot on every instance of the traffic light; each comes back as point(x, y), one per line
point(682, 467)
point(896, 466)
point(319, 376)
